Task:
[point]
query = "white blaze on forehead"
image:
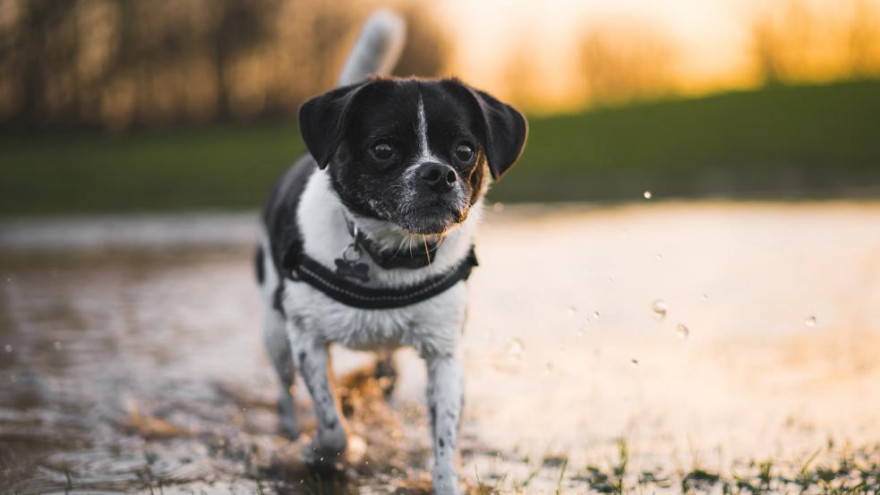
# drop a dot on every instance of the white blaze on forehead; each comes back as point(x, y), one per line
point(425, 154)
point(422, 128)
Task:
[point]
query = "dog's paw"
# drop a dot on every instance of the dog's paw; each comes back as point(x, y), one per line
point(326, 449)
point(331, 440)
point(290, 428)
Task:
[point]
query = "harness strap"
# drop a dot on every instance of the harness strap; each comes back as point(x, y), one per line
point(310, 271)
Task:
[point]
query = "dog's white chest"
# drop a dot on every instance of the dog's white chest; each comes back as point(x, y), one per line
point(431, 325)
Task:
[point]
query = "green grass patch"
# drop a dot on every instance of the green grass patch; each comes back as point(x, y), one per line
point(810, 140)
point(224, 168)
point(803, 141)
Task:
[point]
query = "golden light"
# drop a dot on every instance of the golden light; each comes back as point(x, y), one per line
point(535, 50)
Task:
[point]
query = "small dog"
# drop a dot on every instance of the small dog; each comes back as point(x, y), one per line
point(367, 241)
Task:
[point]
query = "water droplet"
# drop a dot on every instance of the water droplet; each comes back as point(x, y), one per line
point(498, 207)
point(596, 314)
point(659, 256)
point(647, 194)
point(659, 307)
point(704, 297)
point(682, 331)
point(57, 345)
point(7, 348)
point(810, 321)
point(572, 310)
point(515, 347)
point(634, 362)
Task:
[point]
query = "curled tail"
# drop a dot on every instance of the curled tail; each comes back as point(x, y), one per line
point(377, 49)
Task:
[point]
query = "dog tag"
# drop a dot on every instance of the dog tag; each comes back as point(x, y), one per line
point(348, 266)
point(352, 269)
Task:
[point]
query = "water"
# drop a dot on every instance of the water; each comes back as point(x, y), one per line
point(682, 331)
point(516, 348)
point(132, 358)
point(659, 307)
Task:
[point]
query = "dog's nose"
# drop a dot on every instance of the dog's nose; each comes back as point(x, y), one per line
point(439, 176)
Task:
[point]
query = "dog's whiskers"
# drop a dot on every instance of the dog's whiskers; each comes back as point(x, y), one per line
point(427, 251)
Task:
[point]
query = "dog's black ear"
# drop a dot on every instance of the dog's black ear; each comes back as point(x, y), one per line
point(323, 119)
point(506, 132)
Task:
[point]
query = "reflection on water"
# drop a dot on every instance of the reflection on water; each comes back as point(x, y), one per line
point(695, 335)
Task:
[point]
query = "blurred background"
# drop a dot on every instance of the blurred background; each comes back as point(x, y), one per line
point(113, 105)
point(711, 326)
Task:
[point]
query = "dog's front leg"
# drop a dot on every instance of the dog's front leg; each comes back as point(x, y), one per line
point(312, 361)
point(445, 401)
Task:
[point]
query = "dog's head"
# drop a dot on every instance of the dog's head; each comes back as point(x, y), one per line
point(412, 152)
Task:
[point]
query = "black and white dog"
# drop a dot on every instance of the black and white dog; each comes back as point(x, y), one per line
point(367, 240)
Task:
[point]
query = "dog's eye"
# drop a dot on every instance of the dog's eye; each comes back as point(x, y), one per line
point(382, 151)
point(464, 153)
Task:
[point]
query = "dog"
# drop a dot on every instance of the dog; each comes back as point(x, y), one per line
point(367, 241)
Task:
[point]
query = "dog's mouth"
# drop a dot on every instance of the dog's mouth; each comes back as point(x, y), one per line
point(432, 218)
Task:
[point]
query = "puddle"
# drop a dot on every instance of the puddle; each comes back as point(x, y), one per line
point(653, 348)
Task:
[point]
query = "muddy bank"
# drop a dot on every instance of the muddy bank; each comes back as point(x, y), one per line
point(656, 347)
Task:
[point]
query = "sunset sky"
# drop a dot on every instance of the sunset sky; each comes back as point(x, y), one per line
point(713, 40)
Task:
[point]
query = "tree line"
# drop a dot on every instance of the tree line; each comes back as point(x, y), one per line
point(121, 64)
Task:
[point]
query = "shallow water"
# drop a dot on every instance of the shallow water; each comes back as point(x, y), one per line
point(131, 358)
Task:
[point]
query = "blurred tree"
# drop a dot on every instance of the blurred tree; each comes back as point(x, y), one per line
point(522, 77)
point(428, 49)
point(241, 25)
point(767, 52)
point(43, 54)
point(863, 39)
point(781, 40)
point(796, 41)
point(122, 63)
point(625, 60)
point(328, 28)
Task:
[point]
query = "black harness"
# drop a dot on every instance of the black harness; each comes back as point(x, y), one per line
point(340, 288)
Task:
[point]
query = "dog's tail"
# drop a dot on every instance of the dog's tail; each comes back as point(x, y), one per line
point(377, 49)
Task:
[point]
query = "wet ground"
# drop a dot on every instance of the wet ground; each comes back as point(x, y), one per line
point(658, 348)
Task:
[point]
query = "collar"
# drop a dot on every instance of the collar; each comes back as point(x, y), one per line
point(338, 283)
point(339, 287)
point(388, 257)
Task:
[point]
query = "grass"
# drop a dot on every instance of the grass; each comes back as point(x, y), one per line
point(227, 168)
point(804, 140)
point(826, 471)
